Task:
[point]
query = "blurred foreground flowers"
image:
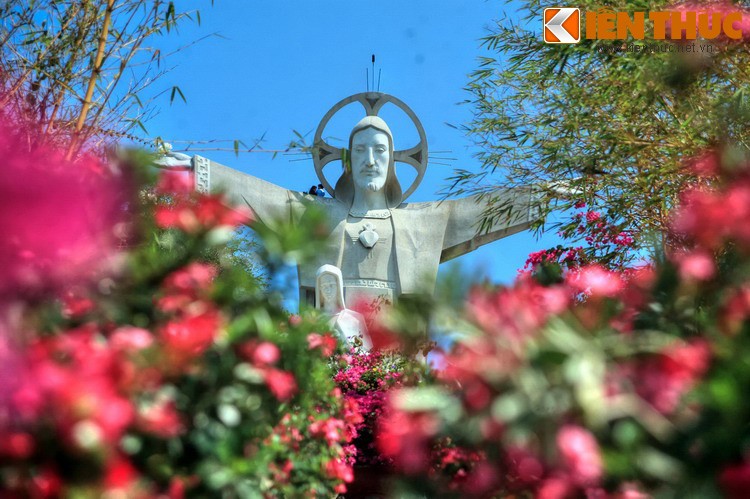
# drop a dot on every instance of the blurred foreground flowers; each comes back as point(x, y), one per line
point(591, 382)
point(137, 358)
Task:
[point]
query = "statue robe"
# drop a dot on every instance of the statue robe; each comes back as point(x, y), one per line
point(426, 234)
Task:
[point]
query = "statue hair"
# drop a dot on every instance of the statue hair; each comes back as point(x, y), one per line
point(344, 190)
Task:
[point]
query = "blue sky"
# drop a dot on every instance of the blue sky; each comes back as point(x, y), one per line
point(275, 67)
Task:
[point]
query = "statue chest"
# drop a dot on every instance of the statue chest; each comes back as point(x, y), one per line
point(368, 259)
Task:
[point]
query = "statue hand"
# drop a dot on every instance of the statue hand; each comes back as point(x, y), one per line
point(564, 188)
point(175, 160)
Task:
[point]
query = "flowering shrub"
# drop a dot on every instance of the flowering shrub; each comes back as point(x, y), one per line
point(136, 360)
point(598, 382)
point(365, 378)
point(606, 242)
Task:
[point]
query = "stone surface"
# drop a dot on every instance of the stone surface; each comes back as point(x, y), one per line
point(329, 297)
point(383, 246)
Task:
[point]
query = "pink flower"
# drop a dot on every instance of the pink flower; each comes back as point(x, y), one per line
point(131, 339)
point(593, 216)
point(175, 182)
point(331, 429)
point(709, 217)
point(696, 266)
point(705, 165)
point(405, 437)
point(580, 454)
point(61, 221)
point(516, 313)
point(259, 354)
point(556, 487)
point(735, 311)
point(596, 281)
point(663, 379)
point(266, 354)
point(192, 279)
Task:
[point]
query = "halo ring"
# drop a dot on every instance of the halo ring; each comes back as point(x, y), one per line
point(324, 153)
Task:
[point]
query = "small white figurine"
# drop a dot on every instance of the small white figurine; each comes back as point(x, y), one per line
point(329, 297)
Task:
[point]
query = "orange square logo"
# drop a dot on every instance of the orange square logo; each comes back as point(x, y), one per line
point(562, 25)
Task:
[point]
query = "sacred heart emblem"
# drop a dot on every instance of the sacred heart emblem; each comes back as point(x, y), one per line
point(367, 236)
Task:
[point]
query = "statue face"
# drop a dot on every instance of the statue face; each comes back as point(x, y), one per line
point(328, 288)
point(370, 159)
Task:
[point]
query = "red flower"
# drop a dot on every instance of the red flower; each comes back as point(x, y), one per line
point(339, 470)
point(16, 445)
point(580, 454)
point(46, 484)
point(76, 306)
point(281, 383)
point(161, 419)
point(326, 343)
point(190, 336)
point(199, 213)
point(120, 474)
point(735, 480)
point(405, 437)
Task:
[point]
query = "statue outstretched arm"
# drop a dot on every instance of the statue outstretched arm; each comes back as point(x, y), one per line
point(269, 202)
point(463, 234)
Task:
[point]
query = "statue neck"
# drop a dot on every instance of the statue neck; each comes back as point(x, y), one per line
point(330, 308)
point(365, 200)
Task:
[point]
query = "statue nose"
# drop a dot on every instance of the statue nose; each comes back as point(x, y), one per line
point(370, 159)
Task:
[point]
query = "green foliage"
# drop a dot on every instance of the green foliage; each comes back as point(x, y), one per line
point(74, 72)
point(611, 126)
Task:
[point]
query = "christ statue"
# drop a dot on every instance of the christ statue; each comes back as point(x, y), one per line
point(384, 246)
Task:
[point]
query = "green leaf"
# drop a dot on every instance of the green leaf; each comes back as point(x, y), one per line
point(176, 90)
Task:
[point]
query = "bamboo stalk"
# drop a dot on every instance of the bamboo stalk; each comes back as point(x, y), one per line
point(95, 72)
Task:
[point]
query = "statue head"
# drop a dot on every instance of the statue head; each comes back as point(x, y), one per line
point(371, 165)
point(329, 288)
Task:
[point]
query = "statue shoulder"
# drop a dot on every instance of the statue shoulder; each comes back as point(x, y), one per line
point(428, 207)
point(331, 205)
